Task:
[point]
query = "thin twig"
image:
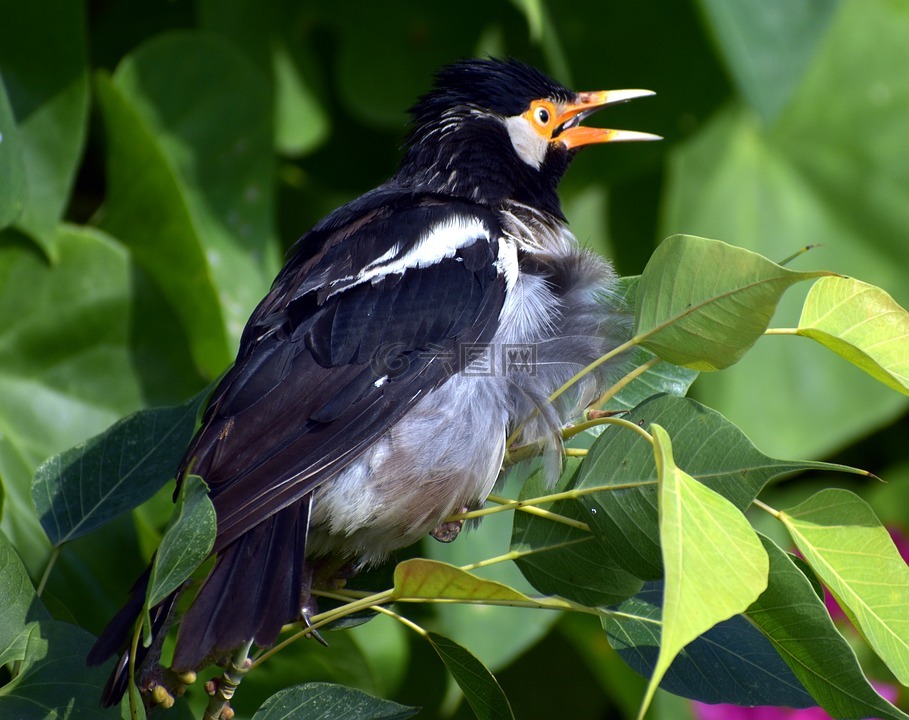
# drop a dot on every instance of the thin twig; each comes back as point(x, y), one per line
point(51, 561)
point(766, 508)
point(625, 381)
point(227, 684)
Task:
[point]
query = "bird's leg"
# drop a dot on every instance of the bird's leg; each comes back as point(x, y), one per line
point(308, 604)
point(449, 530)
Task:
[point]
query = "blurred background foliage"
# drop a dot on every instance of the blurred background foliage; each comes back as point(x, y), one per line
point(158, 156)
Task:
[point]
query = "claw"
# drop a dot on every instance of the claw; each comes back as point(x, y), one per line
point(315, 634)
point(448, 531)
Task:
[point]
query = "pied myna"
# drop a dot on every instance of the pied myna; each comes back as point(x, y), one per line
point(411, 332)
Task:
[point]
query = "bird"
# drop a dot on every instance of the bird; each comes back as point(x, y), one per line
point(411, 335)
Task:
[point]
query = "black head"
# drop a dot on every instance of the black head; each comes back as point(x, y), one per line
point(496, 130)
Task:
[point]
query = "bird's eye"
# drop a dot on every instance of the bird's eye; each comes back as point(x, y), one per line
point(542, 116)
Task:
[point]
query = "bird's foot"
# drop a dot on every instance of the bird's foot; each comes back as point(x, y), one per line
point(448, 531)
point(314, 634)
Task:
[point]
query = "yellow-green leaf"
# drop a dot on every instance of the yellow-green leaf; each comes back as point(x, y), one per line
point(841, 538)
point(863, 324)
point(715, 565)
point(430, 579)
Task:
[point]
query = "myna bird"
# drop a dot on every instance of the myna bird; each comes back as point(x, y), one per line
point(410, 334)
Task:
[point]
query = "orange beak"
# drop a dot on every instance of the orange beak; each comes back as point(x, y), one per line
point(573, 135)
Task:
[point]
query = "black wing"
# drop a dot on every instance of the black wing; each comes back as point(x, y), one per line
point(367, 317)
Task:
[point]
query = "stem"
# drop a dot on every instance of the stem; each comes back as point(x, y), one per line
point(403, 620)
point(797, 253)
point(782, 331)
point(233, 675)
point(594, 365)
point(575, 452)
point(317, 621)
point(617, 387)
point(517, 554)
point(51, 561)
point(567, 494)
point(766, 508)
point(504, 505)
point(132, 690)
point(627, 345)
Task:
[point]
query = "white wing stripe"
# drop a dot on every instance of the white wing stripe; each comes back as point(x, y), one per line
point(438, 243)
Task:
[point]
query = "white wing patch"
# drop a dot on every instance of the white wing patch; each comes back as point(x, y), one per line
point(438, 243)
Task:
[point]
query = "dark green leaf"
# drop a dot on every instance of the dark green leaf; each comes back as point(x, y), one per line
point(795, 620)
point(86, 486)
point(517, 629)
point(564, 560)
point(193, 159)
point(19, 604)
point(731, 663)
point(53, 680)
point(480, 688)
point(187, 542)
point(768, 45)
point(267, 34)
point(323, 701)
point(66, 370)
point(43, 59)
point(663, 378)
point(706, 445)
point(424, 37)
point(12, 164)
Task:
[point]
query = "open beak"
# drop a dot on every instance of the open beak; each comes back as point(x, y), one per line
point(572, 134)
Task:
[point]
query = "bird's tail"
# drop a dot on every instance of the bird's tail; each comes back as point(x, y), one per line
point(117, 637)
point(260, 582)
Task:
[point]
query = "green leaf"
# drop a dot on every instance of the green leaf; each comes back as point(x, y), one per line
point(534, 13)
point(53, 680)
point(702, 303)
point(663, 378)
point(706, 444)
point(301, 124)
point(769, 45)
point(431, 579)
point(425, 38)
point(845, 544)
point(861, 323)
point(480, 688)
point(705, 538)
point(49, 95)
point(19, 604)
point(517, 629)
point(733, 662)
point(187, 542)
point(559, 559)
point(775, 189)
point(324, 701)
point(193, 159)
point(12, 165)
point(81, 489)
point(796, 621)
point(271, 37)
point(66, 370)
